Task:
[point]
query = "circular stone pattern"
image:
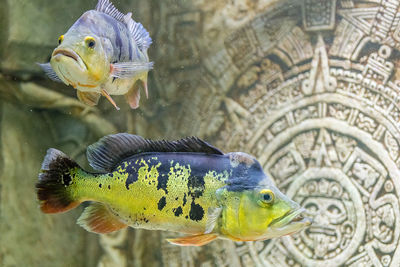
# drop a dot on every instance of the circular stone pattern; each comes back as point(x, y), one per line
point(337, 230)
point(312, 90)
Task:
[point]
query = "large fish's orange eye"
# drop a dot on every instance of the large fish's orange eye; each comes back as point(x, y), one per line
point(90, 42)
point(60, 39)
point(267, 197)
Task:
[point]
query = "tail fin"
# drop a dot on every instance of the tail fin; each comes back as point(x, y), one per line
point(54, 179)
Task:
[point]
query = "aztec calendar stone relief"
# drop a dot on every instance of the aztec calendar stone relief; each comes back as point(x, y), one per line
point(312, 89)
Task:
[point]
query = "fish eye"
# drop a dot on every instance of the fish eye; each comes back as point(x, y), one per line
point(267, 197)
point(60, 39)
point(90, 42)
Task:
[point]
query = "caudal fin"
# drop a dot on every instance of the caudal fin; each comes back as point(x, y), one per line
point(54, 180)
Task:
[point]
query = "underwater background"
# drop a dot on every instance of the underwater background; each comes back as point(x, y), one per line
point(311, 88)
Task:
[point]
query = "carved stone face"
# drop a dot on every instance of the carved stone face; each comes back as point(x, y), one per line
point(332, 206)
point(325, 233)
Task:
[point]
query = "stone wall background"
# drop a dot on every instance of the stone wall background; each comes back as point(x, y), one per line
point(310, 87)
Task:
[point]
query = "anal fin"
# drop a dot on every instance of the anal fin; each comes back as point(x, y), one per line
point(89, 98)
point(97, 218)
point(193, 240)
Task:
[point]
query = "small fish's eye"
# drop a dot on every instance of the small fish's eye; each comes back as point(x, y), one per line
point(90, 42)
point(267, 196)
point(60, 39)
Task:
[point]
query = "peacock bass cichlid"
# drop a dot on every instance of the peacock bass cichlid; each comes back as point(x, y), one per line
point(185, 186)
point(103, 53)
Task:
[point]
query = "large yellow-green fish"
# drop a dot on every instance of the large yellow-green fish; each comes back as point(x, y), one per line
point(185, 186)
point(103, 53)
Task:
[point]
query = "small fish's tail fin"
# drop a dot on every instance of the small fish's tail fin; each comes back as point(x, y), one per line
point(55, 178)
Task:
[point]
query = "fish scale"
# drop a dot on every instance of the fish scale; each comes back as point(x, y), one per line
point(154, 177)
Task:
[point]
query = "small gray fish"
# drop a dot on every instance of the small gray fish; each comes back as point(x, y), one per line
point(103, 53)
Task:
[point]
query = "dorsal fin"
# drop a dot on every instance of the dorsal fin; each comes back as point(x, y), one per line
point(112, 149)
point(108, 8)
point(139, 33)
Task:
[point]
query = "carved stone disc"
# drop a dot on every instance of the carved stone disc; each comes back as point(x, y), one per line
point(312, 89)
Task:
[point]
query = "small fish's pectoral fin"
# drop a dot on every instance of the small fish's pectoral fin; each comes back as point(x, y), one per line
point(133, 95)
point(89, 98)
point(46, 67)
point(97, 218)
point(104, 93)
point(194, 240)
point(129, 69)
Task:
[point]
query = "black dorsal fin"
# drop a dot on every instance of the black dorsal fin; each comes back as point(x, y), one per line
point(112, 149)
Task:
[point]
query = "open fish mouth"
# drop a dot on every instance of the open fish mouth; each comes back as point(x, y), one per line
point(71, 54)
point(292, 217)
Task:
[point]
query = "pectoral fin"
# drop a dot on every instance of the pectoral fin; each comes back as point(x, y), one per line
point(129, 69)
point(97, 218)
point(213, 215)
point(193, 240)
point(46, 67)
point(88, 98)
point(133, 95)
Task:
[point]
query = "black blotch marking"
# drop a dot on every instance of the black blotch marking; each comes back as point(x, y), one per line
point(111, 175)
point(184, 200)
point(178, 211)
point(196, 185)
point(162, 183)
point(186, 217)
point(176, 198)
point(196, 212)
point(144, 208)
point(109, 186)
point(66, 178)
point(161, 203)
point(100, 185)
point(132, 177)
point(114, 78)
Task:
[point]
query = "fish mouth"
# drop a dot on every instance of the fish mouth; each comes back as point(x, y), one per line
point(294, 217)
point(65, 52)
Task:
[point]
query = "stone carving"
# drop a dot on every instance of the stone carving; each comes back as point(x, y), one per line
point(314, 96)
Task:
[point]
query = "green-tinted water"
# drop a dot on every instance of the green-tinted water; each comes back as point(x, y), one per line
point(309, 87)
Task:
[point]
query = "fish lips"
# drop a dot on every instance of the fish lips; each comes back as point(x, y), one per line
point(292, 218)
point(59, 53)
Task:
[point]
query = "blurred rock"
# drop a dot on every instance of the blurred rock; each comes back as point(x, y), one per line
point(29, 237)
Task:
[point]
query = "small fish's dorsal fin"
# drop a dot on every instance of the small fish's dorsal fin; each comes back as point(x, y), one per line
point(112, 149)
point(108, 8)
point(139, 33)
